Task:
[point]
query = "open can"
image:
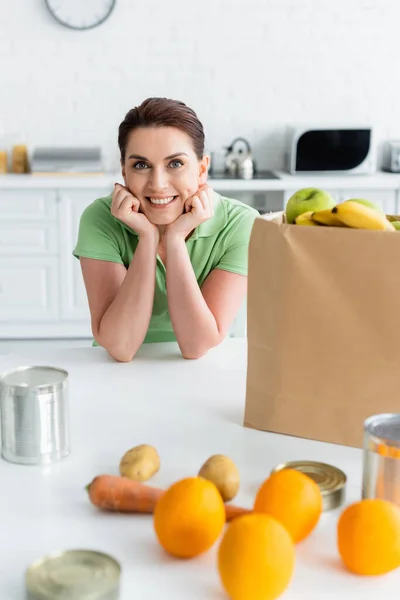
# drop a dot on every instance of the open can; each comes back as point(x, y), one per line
point(34, 415)
point(381, 457)
point(74, 575)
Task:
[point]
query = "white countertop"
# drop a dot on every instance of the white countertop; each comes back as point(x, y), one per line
point(286, 182)
point(188, 410)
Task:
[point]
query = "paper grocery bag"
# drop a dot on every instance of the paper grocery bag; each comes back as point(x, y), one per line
point(323, 335)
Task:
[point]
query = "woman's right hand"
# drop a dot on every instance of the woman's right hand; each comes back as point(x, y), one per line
point(125, 208)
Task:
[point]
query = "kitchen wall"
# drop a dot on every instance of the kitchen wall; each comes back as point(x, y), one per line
point(248, 67)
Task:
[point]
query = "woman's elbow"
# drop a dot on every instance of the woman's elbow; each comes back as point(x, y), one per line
point(123, 357)
point(118, 353)
point(197, 352)
point(193, 355)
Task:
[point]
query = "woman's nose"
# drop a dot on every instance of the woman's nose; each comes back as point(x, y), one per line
point(158, 179)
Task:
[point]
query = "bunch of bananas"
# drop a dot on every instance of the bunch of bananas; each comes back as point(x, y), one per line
point(350, 213)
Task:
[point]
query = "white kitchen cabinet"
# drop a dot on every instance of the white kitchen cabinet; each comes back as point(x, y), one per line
point(74, 303)
point(27, 238)
point(29, 290)
point(28, 205)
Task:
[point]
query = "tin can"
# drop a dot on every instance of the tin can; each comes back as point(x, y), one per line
point(34, 415)
point(74, 575)
point(381, 457)
point(330, 479)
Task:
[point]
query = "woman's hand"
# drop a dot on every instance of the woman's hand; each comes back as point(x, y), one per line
point(125, 208)
point(198, 208)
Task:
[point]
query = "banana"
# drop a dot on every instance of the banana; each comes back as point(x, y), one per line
point(327, 217)
point(305, 219)
point(359, 216)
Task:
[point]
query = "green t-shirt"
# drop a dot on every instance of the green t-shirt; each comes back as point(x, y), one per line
point(219, 243)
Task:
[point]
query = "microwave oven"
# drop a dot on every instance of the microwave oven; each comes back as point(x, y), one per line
point(329, 150)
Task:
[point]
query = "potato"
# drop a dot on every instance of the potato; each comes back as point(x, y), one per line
point(140, 463)
point(223, 472)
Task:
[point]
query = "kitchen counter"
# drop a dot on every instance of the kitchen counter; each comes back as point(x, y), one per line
point(285, 182)
point(188, 410)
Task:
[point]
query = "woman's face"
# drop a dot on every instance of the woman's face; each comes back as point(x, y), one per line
point(162, 171)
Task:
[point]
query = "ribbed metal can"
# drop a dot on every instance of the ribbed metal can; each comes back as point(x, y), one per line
point(381, 457)
point(74, 575)
point(34, 415)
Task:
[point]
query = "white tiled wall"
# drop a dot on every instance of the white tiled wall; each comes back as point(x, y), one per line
point(247, 66)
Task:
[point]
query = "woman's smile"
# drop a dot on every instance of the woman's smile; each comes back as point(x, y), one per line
point(161, 201)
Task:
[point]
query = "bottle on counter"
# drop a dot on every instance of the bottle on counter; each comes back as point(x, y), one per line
point(3, 162)
point(19, 159)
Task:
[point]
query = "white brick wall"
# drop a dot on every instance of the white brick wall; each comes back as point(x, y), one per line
point(248, 67)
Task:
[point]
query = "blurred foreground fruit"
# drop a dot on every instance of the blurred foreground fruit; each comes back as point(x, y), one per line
point(256, 558)
point(368, 537)
point(189, 517)
point(292, 498)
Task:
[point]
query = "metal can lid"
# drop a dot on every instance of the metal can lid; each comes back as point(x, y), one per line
point(40, 378)
point(384, 427)
point(74, 575)
point(330, 479)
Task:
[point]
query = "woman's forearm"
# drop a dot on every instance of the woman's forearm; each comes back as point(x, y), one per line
point(194, 325)
point(124, 325)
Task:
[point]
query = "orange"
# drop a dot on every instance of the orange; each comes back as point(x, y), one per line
point(294, 499)
point(368, 537)
point(189, 517)
point(256, 558)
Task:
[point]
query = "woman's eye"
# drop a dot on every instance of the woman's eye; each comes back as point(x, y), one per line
point(176, 163)
point(140, 165)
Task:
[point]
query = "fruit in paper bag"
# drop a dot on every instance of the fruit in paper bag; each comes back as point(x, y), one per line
point(306, 200)
point(368, 203)
point(396, 225)
point(306, 219)
point(223, 472)
point(326, 217)
point(359, 216)
point(368, 537)
point(140, 463)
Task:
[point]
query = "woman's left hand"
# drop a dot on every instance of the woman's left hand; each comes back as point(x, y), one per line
point(198, 208)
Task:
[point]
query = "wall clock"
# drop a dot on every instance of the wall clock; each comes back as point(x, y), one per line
point(80, 14)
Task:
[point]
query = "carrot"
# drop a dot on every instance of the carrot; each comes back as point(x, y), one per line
point(120, 494)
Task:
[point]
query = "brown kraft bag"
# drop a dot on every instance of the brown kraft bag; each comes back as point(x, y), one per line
point(323, 335)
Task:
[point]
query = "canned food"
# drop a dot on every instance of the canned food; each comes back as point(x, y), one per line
point(74, 575)
point(381, 454)
point(330, 479)
point(34, 415)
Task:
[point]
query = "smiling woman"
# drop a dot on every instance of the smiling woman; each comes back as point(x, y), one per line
point(164, 257)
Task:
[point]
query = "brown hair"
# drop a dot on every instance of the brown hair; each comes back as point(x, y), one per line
point(162, 112)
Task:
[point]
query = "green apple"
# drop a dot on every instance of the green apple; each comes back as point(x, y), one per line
point(396, 225)
point(368, 203)
point(308, 199)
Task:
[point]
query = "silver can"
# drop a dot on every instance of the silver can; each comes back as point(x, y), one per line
point(74, 575)
point(381, 458)
point(34, 415)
